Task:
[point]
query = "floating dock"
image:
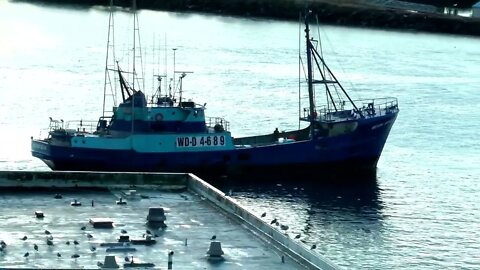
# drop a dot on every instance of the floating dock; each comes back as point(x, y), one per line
point(198, 218)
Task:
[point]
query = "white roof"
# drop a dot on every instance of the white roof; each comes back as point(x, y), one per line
point(477, 5)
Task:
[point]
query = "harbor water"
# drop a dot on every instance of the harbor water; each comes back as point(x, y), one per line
point(423, 209)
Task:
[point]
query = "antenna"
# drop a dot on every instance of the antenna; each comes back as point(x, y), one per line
point(153, 68)
point(180, 81)
point(158, 92)
point(174, 50)
point(165, 72)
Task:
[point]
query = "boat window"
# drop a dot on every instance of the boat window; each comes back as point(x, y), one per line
point(187, 104)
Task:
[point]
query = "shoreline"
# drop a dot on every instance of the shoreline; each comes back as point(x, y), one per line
point(343, 13)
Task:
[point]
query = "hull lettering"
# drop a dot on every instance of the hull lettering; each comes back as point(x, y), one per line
point(201, 141)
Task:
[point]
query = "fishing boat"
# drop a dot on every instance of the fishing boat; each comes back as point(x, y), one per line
point(166, 133)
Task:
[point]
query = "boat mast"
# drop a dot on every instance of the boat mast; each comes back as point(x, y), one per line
point(309, 73)
point(134, 9)
point(312, 53)
point(299, 69)
point(108, 67)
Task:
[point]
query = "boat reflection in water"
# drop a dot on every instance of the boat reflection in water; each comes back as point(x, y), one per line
point(330, 216)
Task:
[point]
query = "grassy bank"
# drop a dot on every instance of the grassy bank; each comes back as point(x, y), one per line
point(339, 12)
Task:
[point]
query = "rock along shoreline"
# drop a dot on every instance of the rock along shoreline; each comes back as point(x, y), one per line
point(340, 12)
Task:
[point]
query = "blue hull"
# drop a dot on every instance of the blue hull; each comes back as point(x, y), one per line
point(354, 152)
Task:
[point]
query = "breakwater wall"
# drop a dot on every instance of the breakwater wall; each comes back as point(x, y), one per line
point(342, 12)
point(283, 243)
point(109, 180)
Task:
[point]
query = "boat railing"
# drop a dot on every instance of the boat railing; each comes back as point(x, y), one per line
point(217, 123)
point(378, 106)
point(55, 125)
point(345, 110)
point(82, 126)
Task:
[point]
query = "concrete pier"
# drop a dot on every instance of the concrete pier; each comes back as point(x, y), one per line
point(196, 214)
